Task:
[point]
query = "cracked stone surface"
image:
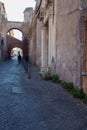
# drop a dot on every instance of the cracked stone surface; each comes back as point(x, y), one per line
point(34, 104)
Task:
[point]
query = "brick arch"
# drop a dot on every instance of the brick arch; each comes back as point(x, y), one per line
point(11, 46)
point(16, 45)
point(16, 29)
point(12, 43)
point(21, 26)
point(24, 29)
point(12, 24)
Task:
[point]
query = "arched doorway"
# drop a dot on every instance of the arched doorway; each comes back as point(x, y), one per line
point(14, 53)
point(16, 33)
point(15, 39)
point(17, 46)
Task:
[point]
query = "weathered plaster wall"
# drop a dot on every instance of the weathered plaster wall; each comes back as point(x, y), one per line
point(67, 41)
point(38, 43)
point(35, 41)
point(65, 47)
point(32, 42)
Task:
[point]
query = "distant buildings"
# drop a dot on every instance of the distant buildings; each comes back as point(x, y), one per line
point(28, 12)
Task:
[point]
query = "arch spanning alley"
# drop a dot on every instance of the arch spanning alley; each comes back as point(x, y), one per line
point(15, 51)
point(17, 30)
point(13, 42)
point(14, 25)
point(22, 27)
point(15, 45)
point(18, 44)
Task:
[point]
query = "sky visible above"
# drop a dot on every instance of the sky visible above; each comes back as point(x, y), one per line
point(14, 8)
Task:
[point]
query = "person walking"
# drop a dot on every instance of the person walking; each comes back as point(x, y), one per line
point(19, 57)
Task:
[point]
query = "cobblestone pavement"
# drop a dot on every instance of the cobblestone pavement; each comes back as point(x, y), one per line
point(34, 104)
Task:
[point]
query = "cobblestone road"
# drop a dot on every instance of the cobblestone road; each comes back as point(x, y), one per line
point(34, 104)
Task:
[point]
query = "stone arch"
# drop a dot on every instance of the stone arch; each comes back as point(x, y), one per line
point(22, 27)
point(13, 46)
point(16, 29)
point(13, 42)
point(11, 24)
point(16, 45)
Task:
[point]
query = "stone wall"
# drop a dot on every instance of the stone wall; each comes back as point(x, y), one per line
point(28, 12)
point(38, 43)
point(83, 41)
point(62, 48)
point(83, 4)
point(67, 41)
point(32, 41)
point(35, 41)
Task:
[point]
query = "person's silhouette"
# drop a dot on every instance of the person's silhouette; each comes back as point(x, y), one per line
point(19, 57)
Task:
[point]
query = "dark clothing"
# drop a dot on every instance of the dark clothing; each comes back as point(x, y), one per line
point(19, 58)
point(27, 58)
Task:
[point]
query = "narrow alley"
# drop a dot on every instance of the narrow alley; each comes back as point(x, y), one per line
point(34, 104)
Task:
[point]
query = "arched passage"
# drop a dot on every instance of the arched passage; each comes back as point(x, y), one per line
point(16, 45)
point(13, 29)
point(14, 53)
point(22, 27)
point(14, 42)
